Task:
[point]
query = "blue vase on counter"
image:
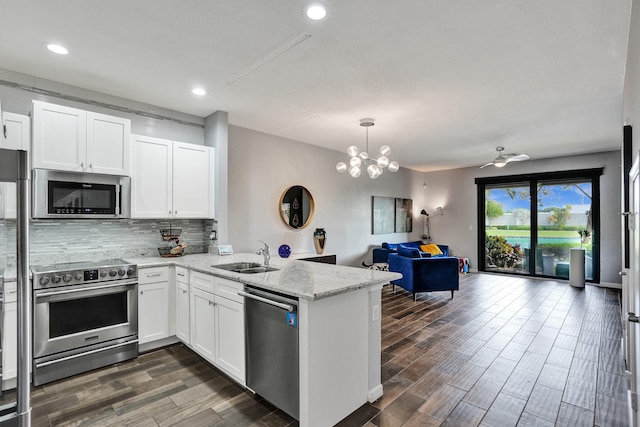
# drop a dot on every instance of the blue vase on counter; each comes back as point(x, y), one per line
point(284, 251)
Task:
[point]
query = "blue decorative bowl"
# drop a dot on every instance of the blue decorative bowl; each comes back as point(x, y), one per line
point(284, 251)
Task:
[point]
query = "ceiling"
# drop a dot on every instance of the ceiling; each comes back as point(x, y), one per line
point(445, 81)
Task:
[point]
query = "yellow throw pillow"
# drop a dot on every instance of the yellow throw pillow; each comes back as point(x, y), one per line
point(432, 248)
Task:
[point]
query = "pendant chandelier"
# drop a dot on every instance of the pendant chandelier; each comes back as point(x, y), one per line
point(375, 166)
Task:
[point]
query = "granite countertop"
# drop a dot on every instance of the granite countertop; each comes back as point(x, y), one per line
point(303, 279)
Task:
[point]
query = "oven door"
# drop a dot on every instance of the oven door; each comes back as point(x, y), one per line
point(76, 317)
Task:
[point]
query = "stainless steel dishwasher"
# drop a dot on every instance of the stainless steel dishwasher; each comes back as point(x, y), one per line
point(271, 340)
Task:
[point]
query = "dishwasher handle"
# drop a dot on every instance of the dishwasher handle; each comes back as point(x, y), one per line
point(287, 307)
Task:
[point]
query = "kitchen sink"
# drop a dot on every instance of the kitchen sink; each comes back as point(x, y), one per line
point(245, 267)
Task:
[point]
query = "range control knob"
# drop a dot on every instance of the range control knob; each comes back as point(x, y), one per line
point(113, 273)
point(44, 280)
point(56, 279)
point(121, 272)
point(103, 273)
point(79, 276)
point(131, 271)
point(67, 277)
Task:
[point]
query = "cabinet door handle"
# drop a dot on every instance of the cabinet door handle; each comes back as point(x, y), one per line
point(181, 274)
point(141, 292)
point(153, 275)
point(631, 317)
point(184, 291)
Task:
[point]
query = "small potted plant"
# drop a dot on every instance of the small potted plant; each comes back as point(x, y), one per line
point(576, 273)
point(584, 234)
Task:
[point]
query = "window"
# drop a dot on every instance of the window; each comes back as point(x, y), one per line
point(529, 223)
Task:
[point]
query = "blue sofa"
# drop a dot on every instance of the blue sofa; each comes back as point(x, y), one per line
point(438, 273)
point(381, 254)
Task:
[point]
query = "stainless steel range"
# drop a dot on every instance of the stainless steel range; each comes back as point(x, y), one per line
point(85, 316)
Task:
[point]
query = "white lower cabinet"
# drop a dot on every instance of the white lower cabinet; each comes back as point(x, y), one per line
point(203, 323)
point(10, 334)
point(217, 323)
point(182, 313)
point(153, 304)
point(183, 301)
point(230, 334)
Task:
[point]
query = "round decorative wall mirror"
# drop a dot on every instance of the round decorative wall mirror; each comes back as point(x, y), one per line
point(296, 207)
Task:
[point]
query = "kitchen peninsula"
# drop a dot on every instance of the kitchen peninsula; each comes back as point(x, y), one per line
point(338, 324)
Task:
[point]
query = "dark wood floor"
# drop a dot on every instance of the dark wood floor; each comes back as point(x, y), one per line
point(504, 352)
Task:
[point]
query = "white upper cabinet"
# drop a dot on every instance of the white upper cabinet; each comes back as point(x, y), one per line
point(74, 140)
point(191, 180)
point(108, 144)
point(170, 179)
point(151, 177)
point(18, 138)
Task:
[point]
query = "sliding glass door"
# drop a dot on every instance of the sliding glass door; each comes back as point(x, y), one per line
point(529, 223)
point(507, 227)
point(564, 222)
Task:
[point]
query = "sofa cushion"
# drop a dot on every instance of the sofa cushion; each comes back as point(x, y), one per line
point(431, 248)
point(408, 252)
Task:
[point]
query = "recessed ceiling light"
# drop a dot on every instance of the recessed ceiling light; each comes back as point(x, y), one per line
point(199, 91)
point(56, 48)
point(316, 11)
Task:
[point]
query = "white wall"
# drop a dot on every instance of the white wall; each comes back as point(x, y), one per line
point(262, 167)
point(456, 192)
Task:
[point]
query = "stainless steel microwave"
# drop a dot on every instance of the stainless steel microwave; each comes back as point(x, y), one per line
point(80, 195)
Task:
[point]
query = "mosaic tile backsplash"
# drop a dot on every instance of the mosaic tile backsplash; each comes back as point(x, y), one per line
point(54, 241)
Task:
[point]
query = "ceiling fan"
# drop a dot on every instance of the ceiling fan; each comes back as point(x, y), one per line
point(503, 159)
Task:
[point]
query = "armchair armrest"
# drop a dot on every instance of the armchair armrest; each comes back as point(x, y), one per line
point(382, 254)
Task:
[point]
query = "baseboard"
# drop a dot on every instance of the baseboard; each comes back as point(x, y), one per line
point(608, 285)
point(375, 393)
point(148, 346)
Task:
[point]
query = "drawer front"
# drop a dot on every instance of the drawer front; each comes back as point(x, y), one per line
point(153, 275)
point(182, 275)
point(202, 281)
point(229, 289)
point(10, 292)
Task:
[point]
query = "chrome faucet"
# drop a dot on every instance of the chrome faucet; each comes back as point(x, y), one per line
point(265, 253)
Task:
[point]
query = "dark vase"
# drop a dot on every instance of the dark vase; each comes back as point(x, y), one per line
point(319, 239)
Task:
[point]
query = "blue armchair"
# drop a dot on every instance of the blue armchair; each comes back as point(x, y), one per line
point(429, 274)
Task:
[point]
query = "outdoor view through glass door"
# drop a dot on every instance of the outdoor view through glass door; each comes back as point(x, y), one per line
point(508, 228)
point(530, 225)
point(564, 223)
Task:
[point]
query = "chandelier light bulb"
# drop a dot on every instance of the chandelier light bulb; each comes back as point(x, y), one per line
point(352, 151)
point(364, 155)
point(385, 150)
point(355, 162)
point(374, 171)
point(383, 162)
point(394, 166)
point(354, 172)
point(341, 167)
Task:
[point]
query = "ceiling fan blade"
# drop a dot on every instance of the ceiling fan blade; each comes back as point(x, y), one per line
point(517, 158)
point(488, 164)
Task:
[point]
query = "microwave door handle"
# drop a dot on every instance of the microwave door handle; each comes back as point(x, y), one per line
point(118, 195)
